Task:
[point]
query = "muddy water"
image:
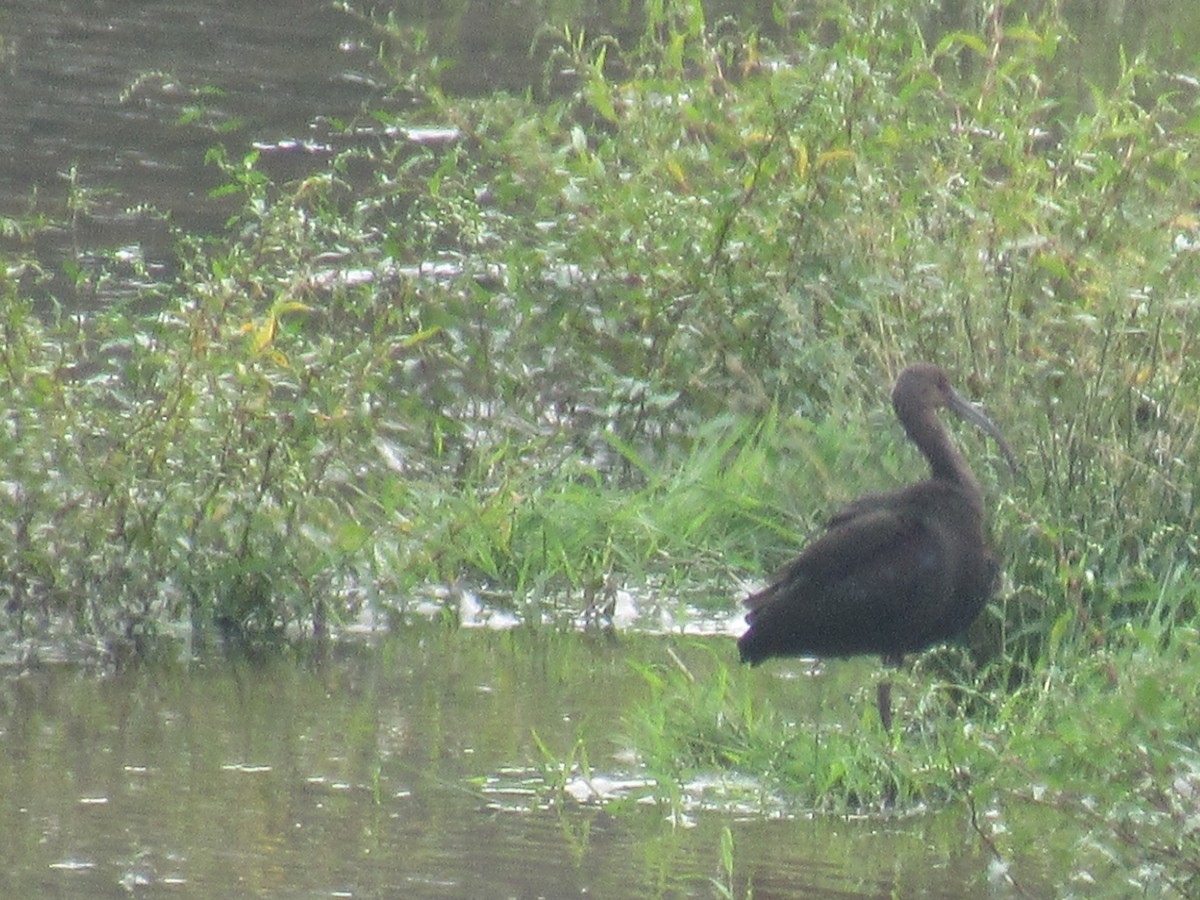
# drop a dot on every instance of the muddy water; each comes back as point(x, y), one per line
point(405, 767)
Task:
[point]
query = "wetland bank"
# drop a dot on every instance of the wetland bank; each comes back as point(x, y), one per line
point(573, 360)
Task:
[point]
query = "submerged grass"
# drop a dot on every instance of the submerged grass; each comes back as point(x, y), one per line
point(639, 334)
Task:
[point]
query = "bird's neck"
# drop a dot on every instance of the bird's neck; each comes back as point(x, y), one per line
point(945, 462)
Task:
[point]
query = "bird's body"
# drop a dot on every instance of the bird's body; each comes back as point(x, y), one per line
point(894, 572)
point(890, 576)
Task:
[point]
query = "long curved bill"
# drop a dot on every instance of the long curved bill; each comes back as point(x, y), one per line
point(973, 414)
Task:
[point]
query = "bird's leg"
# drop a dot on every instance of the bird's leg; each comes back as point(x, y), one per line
point(883, 698)
point(883, 691)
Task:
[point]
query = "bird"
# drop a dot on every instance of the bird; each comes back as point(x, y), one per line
point(895, 572)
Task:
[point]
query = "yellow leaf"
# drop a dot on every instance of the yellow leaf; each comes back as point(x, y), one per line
point(833, 156)
point(419, 337)
point(677, 173)
point(264, 335)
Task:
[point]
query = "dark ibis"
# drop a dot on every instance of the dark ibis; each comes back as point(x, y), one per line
point(894, 572)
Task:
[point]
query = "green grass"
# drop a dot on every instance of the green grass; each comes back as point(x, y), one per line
point(1092, 761)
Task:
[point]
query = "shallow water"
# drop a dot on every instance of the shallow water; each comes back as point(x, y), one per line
point(408, 766)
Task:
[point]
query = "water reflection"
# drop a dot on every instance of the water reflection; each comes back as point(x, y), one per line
point(409, 767)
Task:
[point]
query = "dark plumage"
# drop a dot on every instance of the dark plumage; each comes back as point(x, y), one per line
point(894, 572)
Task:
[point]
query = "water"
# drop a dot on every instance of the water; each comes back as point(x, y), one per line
point(408, 766)
point(110, 108)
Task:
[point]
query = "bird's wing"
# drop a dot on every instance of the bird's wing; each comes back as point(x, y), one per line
point(865, 504)
point(871, 577)
point(852, 544)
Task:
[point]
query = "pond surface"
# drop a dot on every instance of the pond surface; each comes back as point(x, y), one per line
point(406, 767)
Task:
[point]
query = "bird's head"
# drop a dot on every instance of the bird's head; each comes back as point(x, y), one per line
point(922, 388)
